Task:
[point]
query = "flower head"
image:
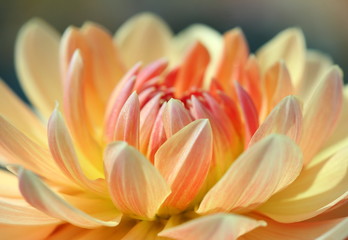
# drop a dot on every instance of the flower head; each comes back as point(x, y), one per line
point(150, 135)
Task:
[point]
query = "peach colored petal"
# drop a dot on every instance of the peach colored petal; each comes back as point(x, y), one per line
point(76, 114)
point(191, 71)
point(16, 148)
point(37, 46)
point(289, 46)
point(136, 187)
point(321, 113)
point(175, 117)
point(63, 152)
point(15, 232)
point(262, 170)
point(285, 118)
point(319, 187)
point(23, 118)
point(233, 59)
point(37, 194)
point(8, 184)
point(184, 161)
point(128, 122)
point(145, 37)
point(144, 230)
point(217, 226)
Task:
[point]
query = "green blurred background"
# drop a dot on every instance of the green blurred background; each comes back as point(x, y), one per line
point(324, 22)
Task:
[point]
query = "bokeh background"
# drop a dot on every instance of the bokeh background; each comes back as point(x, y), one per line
point(324, 22)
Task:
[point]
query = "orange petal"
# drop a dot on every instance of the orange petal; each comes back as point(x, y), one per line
point(217, 226)
point(321, 113)
point(23, 118)
point(64, 154)
point(145, 37)
point(289, 45)
point(184, 161)
point(136, 187)
point(37, 194)
point(175, 117)
point(321, 186)
point(264, 169)
point(17, 232)
point(144, 230)
point(285, 118)
point(37, 46)
point(127, 125)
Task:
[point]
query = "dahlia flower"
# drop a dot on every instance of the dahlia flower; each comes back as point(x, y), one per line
point(150, 135)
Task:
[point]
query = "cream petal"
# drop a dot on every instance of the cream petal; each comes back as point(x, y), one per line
point(319, 187)
point(16, 232)
point(289, 46)
point(64, 154)
point(145, 37)
point(37, 46)
point(321, 113)
point(37, 194)
point(23, 118)
point(135, 185)
point(264, 169)
point(217, 226)
point(184, 161)
point(285, 118)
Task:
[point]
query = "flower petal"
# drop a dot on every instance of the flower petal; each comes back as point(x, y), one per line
point(264, 169)
point(145, 37)
point(216, 226)
point(38, 45)
point(321, 113)
point(136, 187)
point(17, 232)
point(184, 161)
point(37, 194)
point(319, 187)
point(285, 118)
point(288, 45)
point(144, 230)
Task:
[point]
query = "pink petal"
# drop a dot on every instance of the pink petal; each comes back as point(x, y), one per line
point(184, 161)
point(135, 185)
point(264, 169)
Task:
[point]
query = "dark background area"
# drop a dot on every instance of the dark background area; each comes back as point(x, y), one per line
point(324, 22)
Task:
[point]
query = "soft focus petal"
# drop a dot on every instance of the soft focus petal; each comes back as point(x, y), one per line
point(264, 169)
point(38, 46)
point(216, 226)
point(184, 161)
point(16, 232)
point(136, 187)
point(144, 230)
point(145, 37)
point(289, 46)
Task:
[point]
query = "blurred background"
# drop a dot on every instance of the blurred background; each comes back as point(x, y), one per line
point(324, 22)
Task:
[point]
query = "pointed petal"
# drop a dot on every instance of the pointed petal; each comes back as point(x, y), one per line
point(264, 169)
point(321, 113)
point(37, 194)
point(184, 161)
point(64, 154)
point(38, 45)
point(136, 187)
point(23, 118)
point(288, 45)
point(175, 117)
point(216, 226)
point(285, 118)
point(145, 37)
point(319, 187)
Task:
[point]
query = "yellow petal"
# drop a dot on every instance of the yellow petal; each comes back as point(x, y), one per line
point(23, 117)
point(264, 169)
point(135, 185)
point(216, 226)
point(144, 37)
point(321, 113)
point(37, 194)
point(37, 63)
point(184, 161)
point(16, 232)
point(144, 230)
point(285, 118)
point(289, 46)
point(320, 186)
